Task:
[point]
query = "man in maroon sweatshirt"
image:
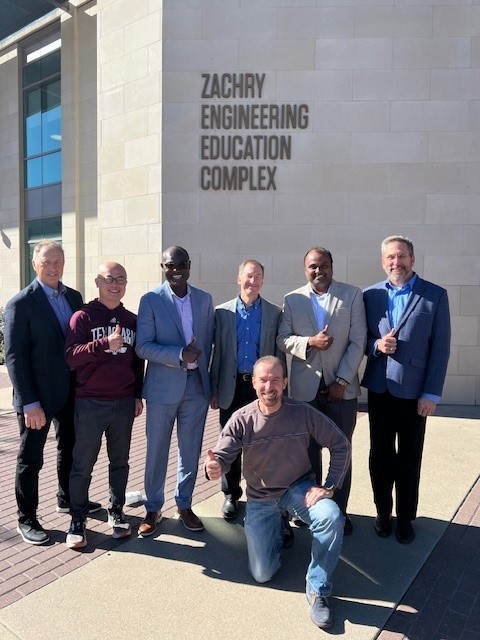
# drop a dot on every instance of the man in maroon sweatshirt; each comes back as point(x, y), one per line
point(100, 345)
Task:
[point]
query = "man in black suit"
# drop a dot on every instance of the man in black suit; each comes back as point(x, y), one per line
point(43, 387)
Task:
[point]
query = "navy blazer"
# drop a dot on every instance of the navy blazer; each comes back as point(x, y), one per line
point(35, 349)
point(419, 364)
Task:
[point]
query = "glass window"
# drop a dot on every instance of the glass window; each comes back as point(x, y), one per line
point(51, 117)
point(42, 127)
point(33, 173)
point(33, 122)
point(52, 168)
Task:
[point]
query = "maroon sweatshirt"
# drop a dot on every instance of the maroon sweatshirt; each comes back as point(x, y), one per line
point(101, 373)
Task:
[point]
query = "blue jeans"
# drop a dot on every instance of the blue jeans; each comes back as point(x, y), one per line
point(264, 533)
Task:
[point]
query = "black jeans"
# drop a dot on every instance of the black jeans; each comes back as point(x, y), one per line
point(244, 394)
point(93, 418)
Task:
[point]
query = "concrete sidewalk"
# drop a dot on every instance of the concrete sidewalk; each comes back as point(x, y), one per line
point(192, 586)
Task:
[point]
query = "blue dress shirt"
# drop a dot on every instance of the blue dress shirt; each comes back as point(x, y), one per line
point(248, 321)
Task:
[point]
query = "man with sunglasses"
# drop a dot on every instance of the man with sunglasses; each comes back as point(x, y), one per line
point(100, 345)
point(174, 334)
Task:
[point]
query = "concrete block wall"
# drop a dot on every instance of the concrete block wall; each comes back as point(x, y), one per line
point(79, 150)
point(129, 59)
point(392, 146)
point(9, 175)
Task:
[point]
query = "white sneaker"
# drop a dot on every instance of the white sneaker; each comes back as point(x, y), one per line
point(76, 536)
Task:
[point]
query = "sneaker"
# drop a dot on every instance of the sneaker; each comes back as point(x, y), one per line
point(76, 537)
point(320, 613)
point(120, 527)
point(64, 507)
point(148, 526)
point(190, 520)
point(32, 531)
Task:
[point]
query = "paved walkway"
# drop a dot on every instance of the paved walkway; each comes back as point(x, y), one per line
point(183, 585)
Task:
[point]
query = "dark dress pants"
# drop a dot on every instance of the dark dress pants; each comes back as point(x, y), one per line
point(244, 394)
point(397, 434)
point(344, 414)
point(30, 458)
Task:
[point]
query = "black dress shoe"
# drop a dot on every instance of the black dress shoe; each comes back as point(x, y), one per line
point(347, 527)
point(230, 509)
point(404, 532)
point(383, 526)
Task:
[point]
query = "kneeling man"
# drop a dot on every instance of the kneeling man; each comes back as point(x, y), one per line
point(274, 433)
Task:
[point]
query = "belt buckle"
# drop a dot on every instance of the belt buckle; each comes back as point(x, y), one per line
point(246, 377)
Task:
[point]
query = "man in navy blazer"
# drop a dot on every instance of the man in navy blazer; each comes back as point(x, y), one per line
point(174, 334)
point(408, 346)
point(245, 330)
point(36, 320)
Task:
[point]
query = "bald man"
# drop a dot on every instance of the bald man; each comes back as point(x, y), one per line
point(100, 345)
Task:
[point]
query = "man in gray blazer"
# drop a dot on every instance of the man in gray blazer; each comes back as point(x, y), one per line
point(323, 328)
point(245, 330)
point(174, 334)
point(408, 346)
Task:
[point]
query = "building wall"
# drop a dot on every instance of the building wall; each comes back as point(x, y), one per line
point(392, 146)
point(80, 228)
point(9, 175)
point(129, 139)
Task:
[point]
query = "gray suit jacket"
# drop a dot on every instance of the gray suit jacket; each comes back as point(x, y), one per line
point(223, 371)
point(160, 338)
point(345, 317)
point(419, 364)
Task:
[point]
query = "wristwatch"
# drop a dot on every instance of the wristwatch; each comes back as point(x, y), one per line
point(341, 381)
point(329, 486)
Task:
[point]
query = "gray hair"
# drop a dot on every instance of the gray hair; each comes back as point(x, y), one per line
point(243, 264)
point(403, 239)
point(46, 244)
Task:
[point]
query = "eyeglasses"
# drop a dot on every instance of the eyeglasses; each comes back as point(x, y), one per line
point(177, 265)
point(121, 280)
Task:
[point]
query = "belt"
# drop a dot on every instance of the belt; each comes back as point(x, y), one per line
point(246, 377)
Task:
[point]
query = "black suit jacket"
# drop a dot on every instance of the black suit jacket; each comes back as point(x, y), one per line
point(34, 349)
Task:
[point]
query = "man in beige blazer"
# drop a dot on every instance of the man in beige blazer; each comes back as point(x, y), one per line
point(245, 330)
point(323, 328)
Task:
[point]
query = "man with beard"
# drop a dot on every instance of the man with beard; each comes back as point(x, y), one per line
point(408, 347)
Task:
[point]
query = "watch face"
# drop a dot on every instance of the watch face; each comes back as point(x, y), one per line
point(328, 486)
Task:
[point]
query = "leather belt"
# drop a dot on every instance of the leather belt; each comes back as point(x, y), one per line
point(246, 377)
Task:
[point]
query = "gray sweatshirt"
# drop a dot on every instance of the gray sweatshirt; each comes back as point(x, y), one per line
point(275, 447)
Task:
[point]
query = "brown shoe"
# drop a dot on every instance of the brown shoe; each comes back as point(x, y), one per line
point(148, 526)
point(190, 520)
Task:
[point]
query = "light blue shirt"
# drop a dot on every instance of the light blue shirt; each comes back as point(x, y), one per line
point(59, 303)
point(398, 298)
point(63, 312)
